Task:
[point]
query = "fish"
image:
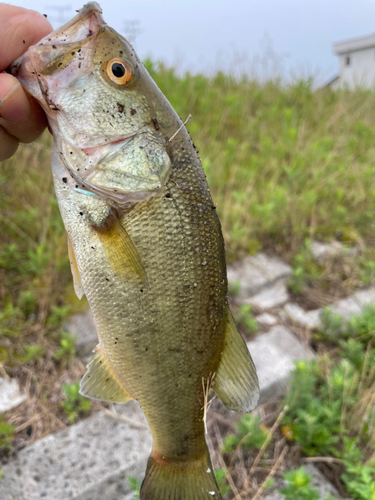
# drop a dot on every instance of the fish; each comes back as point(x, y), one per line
point(145, 246)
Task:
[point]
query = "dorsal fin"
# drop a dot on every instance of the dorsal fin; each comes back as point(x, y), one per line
point(78, 287)
point(236, 382)
point(101, 382)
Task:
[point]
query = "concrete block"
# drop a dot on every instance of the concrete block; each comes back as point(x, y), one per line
point(274, 354)
point(270, 297)
point(295, 313)
point(82, 326)
point(266, 319)
point(255, 272)
point(87, 461)
point(318, 481)
point(10, 394)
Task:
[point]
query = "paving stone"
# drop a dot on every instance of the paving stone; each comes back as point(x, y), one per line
point(318, 481)
point(274, 354)
point(296, 314)
point(87, 461)
point(82, 326)
point(355, 303)
point(322, 251)
point(255, 272)
point(266, 319)
point(10, 394)
point(270, 297)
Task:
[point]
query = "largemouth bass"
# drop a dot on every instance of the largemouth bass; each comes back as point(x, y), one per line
point(145, 246)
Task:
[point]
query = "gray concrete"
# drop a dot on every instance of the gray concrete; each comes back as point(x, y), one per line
point(272, 296)
point(82, 326)
point(10, 394)
point(266, 319)
point(87, 461)
point(318, 481)
point(274, 354)
point(295, 313)
point(256, 272)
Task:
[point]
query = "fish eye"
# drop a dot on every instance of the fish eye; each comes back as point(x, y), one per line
point(119, 71)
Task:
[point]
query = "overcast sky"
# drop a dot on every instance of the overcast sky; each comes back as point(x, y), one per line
point(289, 36)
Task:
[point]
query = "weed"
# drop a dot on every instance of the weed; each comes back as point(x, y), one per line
point(135, 486)
point(75, 404)
point(6, 434)
point(67, 346)
point(250, 434)
point(298, 486)
point(245, 317)
point(220, 475)
point(234, 287)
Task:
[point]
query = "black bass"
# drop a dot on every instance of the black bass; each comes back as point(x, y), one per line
point(145, 247)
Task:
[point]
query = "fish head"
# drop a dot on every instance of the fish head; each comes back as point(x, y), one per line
point(109, 120)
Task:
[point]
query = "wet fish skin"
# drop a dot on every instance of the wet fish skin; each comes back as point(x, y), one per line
point(146, 249)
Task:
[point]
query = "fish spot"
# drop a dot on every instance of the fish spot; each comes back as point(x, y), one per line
point(80, 213)
point(168, 195)
point(133, 111)
point(120, 107)
point(141, 290)
point(107, 379)
point(53, 46)
point(156, 123)
point(64, 179)
point(107, 279)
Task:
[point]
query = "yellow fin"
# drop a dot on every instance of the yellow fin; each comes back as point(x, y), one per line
point(120, 250)
point(78, 288)
point(236, 382)
point(101, 382)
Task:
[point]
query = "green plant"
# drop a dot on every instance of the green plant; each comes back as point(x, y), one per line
point(250, 434)
point(298, 486)
point(234, 287)
point(245, 317)
point(220, 475)
point(135, 486)
point(6, 434)
point(305, 269)
point(67, 346)
point(74, 403)
point(33, 352)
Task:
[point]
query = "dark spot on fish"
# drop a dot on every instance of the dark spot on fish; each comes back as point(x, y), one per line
point(90, 33)
point(189, 376)
point(71, 152)
point(146, 348)
point(141, 290)
point(79, 50)
point(76, 186)
point(168, 195)
point(60, 64)
point(115, 343)
point(53, 46)
point(120, 107)
point(80, 213)
point(107, 279)
point(133, 111)
point(93, 248)
point(120, 52)
point(79, 65)
point(49, 39)
point(107, 379)
point(213, 207)
point(156, 123)
point(64, 179)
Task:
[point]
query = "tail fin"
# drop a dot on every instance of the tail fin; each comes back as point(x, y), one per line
point(179, 480)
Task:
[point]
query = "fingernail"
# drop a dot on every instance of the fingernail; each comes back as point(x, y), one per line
point(15, 106)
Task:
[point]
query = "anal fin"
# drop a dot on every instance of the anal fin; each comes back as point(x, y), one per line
point(236, 382)
point(78, 287)
point(101, 382)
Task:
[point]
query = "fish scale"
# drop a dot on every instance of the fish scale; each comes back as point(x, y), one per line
point(145, 246)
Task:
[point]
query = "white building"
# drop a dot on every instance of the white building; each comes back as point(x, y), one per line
point(357, 63)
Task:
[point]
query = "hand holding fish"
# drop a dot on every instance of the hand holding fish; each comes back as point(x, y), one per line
point(21, 117)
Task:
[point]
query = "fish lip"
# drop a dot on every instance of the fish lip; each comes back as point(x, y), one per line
point(90, 151)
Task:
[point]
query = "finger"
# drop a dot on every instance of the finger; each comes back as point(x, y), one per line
point(8, 145)
point(19, 28)
point(20, 115)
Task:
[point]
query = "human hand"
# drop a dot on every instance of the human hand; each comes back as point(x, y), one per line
point(21, 117)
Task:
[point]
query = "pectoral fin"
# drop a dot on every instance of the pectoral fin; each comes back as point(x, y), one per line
point(121, 251)
point(78, 288)
point(101, 382)
point(236, 381)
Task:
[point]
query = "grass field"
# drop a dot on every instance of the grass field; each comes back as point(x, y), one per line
point(285, 165)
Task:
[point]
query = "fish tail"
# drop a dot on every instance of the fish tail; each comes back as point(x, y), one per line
point(168, 479)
